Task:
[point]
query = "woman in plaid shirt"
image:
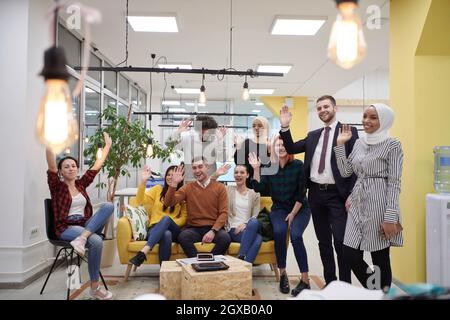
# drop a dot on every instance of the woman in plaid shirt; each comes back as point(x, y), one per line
point(72, 208)
point(285, 181)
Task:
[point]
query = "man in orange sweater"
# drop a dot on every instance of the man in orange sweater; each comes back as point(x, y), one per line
point(207, 206)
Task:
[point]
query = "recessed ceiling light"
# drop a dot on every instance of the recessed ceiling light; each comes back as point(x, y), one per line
point(170, 103)
point(153, 23)
point(202, 104)
point(261, 91)
point(256, 111)
point(282, 68)
point(190, 104)
point(259, 104)
point(175, 65)
point(177, 110)
point(296, 26)
point(187, 90)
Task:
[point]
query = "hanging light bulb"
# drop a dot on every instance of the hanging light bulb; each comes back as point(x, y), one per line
point(150, 147)
point(56, 127)
point(202, 97)
point(245, 93)
point(99, 154)
point(347, 46)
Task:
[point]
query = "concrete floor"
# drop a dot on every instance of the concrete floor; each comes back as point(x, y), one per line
point(56, 287)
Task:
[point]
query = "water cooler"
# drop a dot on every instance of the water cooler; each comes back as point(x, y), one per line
point(438, 238)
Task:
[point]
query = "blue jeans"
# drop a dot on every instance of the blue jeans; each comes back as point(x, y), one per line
point(163, 232)
point(250, 240)
point(280, 228)
point(94, 242)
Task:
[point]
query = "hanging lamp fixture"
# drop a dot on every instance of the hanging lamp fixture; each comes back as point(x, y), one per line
point(347, 46)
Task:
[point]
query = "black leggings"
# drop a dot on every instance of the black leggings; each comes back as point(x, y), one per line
point(367, 277)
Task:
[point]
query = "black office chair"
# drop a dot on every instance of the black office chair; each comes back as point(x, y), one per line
point(66, 248)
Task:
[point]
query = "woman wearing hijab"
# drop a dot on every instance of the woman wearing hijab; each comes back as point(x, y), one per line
point(373, 222)
point(259, 144)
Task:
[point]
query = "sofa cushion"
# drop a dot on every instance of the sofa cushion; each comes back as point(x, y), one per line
point(266, 247)
point(138, 218)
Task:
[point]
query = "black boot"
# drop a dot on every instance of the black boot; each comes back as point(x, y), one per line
point(284, 283)
point(138, 259)
point(299, 288)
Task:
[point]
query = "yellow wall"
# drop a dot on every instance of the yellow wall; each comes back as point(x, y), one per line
point(419, 68)
point(299, 124)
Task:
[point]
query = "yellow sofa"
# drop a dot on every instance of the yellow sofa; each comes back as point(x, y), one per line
point(128, 248)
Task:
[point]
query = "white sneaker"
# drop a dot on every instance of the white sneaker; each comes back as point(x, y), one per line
point(100, 294)
point(78, 245)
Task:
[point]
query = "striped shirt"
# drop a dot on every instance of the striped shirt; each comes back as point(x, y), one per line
point(375, 196)
point(285, 187)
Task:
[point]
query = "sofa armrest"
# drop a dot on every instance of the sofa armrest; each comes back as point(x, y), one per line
point(124, 236)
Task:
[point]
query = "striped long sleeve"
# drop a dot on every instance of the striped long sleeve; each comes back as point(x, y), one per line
point(344, 165)
point(395, 166)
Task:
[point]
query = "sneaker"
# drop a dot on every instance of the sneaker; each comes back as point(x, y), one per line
point(138, 259)
point(284, 283)
point(78, 244)
point(299, 288)
point(100, 294)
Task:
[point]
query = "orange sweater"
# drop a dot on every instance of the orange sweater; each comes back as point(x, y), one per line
point(205, 207)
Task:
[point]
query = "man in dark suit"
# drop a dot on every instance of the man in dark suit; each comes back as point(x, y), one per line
point(328, 191)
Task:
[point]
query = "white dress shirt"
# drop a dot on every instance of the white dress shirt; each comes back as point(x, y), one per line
point(205, 184)
point(326, 177)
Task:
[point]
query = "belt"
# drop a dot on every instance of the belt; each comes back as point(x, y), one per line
point(324, 187)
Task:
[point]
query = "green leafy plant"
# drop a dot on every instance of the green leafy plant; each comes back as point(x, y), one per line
point(129, 147)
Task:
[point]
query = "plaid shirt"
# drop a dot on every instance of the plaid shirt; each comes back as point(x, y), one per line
point(62, 199)
point(285, 187)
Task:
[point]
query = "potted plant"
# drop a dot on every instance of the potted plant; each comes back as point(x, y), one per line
point(129, 147)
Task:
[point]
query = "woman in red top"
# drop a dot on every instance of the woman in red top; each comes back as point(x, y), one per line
point(72, 208)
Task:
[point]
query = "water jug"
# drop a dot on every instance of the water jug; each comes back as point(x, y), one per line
point(442, 169)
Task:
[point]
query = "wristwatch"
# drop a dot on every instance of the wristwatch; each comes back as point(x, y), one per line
point(214, 230)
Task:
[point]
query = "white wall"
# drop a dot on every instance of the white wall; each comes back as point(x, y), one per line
point(372, 86)
point(23, 33)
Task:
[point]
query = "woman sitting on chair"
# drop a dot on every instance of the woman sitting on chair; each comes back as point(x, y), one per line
point(243, 204)
point(74, 219)
point(165, 222)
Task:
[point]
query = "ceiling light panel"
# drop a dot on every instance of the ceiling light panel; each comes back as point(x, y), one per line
point(153, 23)
point(261, 91)
point(187, 90)
point(296, 26)
point(170, 103)
point(285, 68)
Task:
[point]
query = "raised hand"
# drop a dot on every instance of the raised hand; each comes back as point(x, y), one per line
point(285, 116)
point(345, 134)
point(254, 161)
point(223, 170)
point(177, 176)
point(184, 125)
point(107, 138)
point(238, 140)
point(146, 174)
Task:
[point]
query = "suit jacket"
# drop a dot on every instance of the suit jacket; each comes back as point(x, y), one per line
point(308, 146)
